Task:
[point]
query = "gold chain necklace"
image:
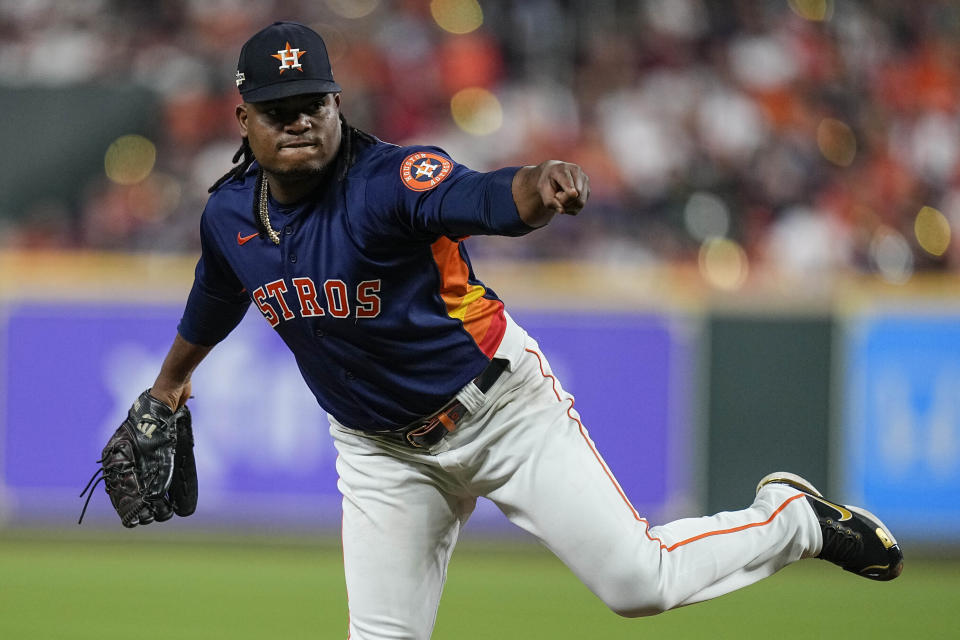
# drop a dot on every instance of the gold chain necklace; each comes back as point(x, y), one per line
point(264, 211)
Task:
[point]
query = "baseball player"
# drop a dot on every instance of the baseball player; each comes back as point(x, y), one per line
point(353, 250)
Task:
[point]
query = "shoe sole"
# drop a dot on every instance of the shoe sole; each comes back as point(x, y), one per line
point(802, 484)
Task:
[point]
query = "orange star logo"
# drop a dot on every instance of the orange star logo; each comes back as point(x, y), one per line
point(289, 58)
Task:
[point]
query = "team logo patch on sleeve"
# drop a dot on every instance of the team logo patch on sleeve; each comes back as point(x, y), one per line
point(422, 171)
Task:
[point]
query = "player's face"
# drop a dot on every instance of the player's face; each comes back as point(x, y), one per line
point(296, 136)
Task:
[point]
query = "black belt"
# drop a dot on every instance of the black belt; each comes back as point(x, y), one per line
point(428, 431)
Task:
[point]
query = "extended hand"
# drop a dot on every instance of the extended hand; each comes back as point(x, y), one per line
point(549, 188)
point(563, 187)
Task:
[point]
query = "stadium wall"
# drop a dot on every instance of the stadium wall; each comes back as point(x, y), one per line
point(690, 394)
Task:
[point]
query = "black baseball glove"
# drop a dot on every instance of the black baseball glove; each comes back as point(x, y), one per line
point(147, 466)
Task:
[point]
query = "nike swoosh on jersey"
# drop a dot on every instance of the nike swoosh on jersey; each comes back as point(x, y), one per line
point(245, 239)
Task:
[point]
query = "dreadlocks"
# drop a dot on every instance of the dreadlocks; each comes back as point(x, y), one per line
point(238, 171)
point(345, 159)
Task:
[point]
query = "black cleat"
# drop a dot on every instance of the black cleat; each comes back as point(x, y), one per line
point(853, 538)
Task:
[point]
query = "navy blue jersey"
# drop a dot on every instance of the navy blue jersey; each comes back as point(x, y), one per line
point(370, 286)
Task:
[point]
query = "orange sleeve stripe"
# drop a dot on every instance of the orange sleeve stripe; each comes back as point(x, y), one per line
point(623, 496)
point(482, 317)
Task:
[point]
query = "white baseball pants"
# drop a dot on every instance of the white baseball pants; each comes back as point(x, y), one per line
point(526, 450)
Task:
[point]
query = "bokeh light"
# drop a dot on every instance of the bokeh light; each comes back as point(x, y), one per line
point(130, 159)
point(476, 111)
point(457, 16)
point(816, 10)
point(352, 8)
point(723, 263)
point(155, 198)
point(891, 254)
point(837, 142)
point(932, 230)
point(705, 216)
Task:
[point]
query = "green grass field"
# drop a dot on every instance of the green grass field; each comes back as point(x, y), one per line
point(186, 587)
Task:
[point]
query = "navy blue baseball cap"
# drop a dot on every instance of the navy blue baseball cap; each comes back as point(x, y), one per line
point(285, 59)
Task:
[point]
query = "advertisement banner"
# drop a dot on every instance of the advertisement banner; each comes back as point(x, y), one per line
point(903, 421)
point(71, 371)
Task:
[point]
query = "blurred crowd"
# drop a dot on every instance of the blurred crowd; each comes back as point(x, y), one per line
point(814, 136)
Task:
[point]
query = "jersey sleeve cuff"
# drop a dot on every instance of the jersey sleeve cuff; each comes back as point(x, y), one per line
point(207, 319)
point(503, 209)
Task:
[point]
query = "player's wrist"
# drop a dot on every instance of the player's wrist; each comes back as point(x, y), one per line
point(173, 395)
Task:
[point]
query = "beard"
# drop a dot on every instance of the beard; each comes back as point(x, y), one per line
point(301, 165)
point(313, 171)
point(298, 168)
point(293, 180)
point(298, 174)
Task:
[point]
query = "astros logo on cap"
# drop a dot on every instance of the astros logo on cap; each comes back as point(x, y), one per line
point(289, 58)
point(422, 171)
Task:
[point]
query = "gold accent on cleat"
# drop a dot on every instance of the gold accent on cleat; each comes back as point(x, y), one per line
point(884, 538)
point(843, 511)
point(881, 567)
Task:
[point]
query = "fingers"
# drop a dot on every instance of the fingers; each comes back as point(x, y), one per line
point(574, 194)
point(565, 188)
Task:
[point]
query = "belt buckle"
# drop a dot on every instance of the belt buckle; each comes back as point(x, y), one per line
point(422, 430)
point(446, 419)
